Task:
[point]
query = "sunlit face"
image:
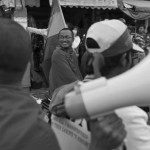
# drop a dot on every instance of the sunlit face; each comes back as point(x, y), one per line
point(65, 38)
point(141, 29)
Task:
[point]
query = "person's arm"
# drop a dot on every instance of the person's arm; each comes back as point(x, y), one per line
point(107, 132)
point(42, 32)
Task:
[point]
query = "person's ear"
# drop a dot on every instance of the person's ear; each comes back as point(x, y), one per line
point(126, 60)
point(123, 60)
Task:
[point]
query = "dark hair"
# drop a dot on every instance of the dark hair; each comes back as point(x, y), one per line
point(112, 62)
point(65, 29)
point(141, 26)
point(15, 47)
point(91, 43)
point(137, 30)
point(70, 26)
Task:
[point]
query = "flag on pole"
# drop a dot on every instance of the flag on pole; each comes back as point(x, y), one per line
point(56, 23)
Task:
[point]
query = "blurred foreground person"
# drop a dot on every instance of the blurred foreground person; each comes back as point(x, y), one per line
point(20, 125)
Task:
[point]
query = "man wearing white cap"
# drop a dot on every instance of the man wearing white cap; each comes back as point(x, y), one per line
point(112, 42)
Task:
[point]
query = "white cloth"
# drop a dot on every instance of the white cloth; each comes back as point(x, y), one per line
point(76, 42)
point(138, 132)
point(137, 48)
point(42, 32)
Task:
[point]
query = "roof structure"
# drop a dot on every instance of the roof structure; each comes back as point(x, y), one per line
point(140, 5)
point(98, 4)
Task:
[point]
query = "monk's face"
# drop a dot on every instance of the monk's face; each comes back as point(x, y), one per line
point(65, 38)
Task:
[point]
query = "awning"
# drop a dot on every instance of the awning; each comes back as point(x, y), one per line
point(136, 9)
point(98, 4)
point(20, 3)
point(139, 5)
point(32, 3)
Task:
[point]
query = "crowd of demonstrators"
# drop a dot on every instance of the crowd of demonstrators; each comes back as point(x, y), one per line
point(112, 57)
point(113, 54)
point(21, 124)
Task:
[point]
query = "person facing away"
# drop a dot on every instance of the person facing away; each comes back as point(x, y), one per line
point(64, 68)
point(21, 127)
point(113, 54)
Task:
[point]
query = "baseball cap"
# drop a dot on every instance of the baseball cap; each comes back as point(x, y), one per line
point(111, 36)
point(123, 20)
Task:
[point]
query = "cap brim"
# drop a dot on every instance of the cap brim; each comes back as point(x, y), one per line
point(137, 48)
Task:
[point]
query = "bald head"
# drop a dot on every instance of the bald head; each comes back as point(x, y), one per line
point(15, 50)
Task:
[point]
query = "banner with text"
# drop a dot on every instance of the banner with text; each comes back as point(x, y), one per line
point(71, 135)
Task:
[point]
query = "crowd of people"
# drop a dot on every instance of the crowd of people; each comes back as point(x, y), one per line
point(109, 51)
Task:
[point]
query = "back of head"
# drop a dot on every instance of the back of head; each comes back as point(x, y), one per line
point(15, 51)
point(111, 38)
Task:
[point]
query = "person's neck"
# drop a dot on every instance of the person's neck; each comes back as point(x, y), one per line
point(67, 49)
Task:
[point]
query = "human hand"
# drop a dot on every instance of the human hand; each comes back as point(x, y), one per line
point(57, 106)
point(107, 133)
point(98, 63)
